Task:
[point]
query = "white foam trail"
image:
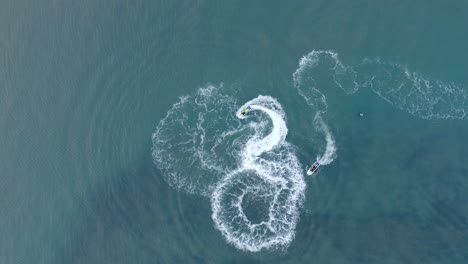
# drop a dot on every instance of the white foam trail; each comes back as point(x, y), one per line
point(396, 84)
point(277, 177)
point(307, 88)
point(407, 90)
point(330, 150)
point(199, 141)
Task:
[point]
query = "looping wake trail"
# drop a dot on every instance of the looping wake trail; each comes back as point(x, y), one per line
point(396, 84)
point(251, 174)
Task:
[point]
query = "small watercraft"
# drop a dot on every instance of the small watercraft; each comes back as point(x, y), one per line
point(313, 168)
point(245, 111)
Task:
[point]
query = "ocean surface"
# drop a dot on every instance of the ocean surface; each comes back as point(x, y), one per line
point(121, 140)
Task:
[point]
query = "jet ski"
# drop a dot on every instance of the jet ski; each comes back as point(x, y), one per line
point(313, 168)
point(245, 111)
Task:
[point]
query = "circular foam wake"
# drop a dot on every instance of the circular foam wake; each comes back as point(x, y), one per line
point(194, 144)
point(246, 167)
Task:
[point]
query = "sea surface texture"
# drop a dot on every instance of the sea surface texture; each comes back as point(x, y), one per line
point(122, 139)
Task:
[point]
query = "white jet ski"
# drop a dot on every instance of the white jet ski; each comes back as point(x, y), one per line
point(313, 168)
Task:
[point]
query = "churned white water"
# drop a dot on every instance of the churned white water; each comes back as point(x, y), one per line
point(203, 147)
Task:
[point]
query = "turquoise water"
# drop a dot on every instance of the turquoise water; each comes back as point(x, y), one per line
point(120, 141)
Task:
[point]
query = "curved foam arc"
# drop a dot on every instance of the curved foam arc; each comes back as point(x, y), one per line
point(265, 101)
point(278, 177)
point(330, 150)
point(276, 137)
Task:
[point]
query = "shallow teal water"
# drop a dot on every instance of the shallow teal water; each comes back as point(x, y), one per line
point(84, 86)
